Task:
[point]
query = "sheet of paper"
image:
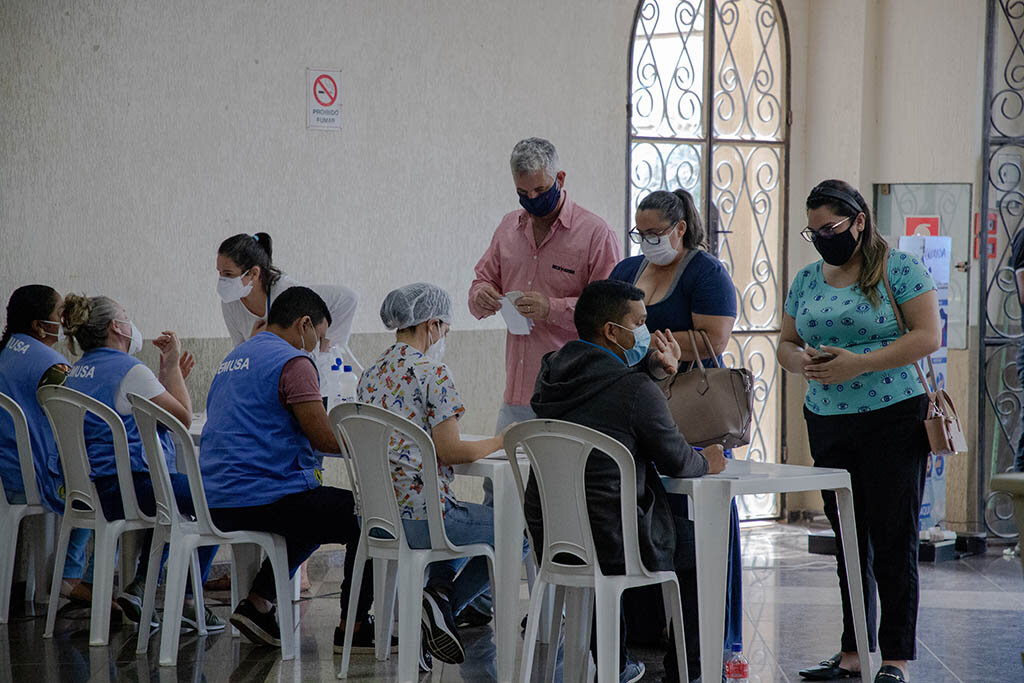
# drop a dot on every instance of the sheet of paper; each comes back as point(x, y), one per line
point(516, 322)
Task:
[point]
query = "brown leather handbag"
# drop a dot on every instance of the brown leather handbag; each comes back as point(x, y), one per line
point(712, 405)
point(945, 432)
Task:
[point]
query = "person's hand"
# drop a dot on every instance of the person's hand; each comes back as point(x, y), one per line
point(534, 305)
point(260, 325)
point(844, 366)
point(808, 356)
point(665, 352)
point(170, 349)
point(488, 298)
point(186, 363)
point(715, 455)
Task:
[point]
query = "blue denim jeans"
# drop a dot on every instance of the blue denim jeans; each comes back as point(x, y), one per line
point(464, 523)
point(74, 565)
point(1018, 462)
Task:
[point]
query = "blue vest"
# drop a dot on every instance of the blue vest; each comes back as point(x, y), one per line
point(253, 451)
point(98, 374)
point(22, 365)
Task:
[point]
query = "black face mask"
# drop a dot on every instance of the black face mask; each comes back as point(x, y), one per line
point(838, 249)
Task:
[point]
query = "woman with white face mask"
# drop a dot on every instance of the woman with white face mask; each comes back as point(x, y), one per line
point(108, 371)
point(686, 288)
point(411, 380)
point(249, 282)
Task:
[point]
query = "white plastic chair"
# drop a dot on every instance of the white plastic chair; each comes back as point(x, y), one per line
point(363, 432)
point(66, 410)
point(186, 535)
point(12, 515)
point(558, 453)
point(171, 527)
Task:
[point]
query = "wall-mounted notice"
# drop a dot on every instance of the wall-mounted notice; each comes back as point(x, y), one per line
point(323, 99)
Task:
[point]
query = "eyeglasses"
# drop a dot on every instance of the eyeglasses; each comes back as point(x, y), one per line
point(652, 238)
point(826, 231)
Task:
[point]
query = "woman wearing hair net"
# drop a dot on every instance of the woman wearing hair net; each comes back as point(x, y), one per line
point(410, 380)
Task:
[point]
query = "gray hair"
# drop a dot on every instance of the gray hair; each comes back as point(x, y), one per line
point(532, 155)
point(87, 319)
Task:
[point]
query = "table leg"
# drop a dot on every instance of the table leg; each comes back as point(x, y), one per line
point(848, 531)
point(508, 554)
point(711, 500)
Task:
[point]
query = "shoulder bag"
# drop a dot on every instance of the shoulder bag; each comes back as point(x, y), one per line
point(945, 432)
point(712, 405)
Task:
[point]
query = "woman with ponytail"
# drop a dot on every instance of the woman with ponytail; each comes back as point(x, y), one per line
point(865, 408)
point(28, 361)
point(686, 288)
point(249, 282)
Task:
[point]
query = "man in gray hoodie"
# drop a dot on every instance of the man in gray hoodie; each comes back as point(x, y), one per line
point(607, 380)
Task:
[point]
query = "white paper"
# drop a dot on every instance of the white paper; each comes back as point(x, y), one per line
point(516, 322)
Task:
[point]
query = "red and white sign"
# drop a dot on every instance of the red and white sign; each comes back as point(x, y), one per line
point(991, 233)
point(923, 225)
point(323, 99)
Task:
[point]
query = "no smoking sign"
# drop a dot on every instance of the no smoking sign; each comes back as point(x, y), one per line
point(323, 99)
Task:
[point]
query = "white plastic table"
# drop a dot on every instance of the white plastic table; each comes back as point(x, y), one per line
point(509, 527)
point(711, 496)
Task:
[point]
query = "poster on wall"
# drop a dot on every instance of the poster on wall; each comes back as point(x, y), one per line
point(936, 255)
point(323, 99)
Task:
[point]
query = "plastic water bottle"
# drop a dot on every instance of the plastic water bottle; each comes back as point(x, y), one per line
point(347, 384)
point(736, 668)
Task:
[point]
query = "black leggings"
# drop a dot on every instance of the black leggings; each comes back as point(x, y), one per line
point(306, 519)
point(886, 453)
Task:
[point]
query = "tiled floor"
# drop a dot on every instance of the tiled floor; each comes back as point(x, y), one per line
point(971, 629)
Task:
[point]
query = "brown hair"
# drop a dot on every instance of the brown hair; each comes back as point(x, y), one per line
point(844, 200)
point(87, 319)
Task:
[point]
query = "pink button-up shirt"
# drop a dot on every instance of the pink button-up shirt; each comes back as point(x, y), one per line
point(579, 249)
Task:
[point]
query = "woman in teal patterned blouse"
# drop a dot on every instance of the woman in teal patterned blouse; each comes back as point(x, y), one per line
point(865, 407)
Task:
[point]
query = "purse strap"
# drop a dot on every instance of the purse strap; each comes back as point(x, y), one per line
point(696, 354)
point(903, 330)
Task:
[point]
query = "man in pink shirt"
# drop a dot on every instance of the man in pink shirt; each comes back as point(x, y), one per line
point(549, 250)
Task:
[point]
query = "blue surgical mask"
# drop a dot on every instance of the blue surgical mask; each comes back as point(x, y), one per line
point(641, 343)
point(542, 204)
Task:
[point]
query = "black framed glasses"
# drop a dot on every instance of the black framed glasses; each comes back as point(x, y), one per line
point(826, 231)
point(652, 238)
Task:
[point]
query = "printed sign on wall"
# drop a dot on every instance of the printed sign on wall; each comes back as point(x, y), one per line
point(323, 99)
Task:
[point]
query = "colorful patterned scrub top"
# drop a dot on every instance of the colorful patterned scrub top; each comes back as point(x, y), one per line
point(844, 317)
point(419, 389)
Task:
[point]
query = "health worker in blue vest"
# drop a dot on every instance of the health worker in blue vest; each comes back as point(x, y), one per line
point(264, 417)
point(28, 361)
point(108, 371)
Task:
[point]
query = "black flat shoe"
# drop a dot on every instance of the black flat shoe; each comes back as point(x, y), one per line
point(829, 669)
point(889, 674)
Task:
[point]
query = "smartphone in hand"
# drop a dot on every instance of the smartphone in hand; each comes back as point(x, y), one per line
point(819, 356)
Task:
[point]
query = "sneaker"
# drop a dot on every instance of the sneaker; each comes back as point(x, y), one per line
point(633, 671)
point(439, 630)
point(363, 640)
point(471, 617)
point(130, 600)
point(259, 628)
point(188, 618)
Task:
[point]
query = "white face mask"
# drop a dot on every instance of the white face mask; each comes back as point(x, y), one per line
point(136, 336)
point(231, 288)
point(660, 254)
point(435, 350)
point(313, 353)
point(60, 329)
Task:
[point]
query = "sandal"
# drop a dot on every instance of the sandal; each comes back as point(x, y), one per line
point(890, 674)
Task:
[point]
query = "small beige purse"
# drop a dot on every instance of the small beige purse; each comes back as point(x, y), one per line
point(945, 432)
point(712, 405)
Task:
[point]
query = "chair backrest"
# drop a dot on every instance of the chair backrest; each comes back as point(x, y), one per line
point(558, 453)
point(148, 417)
point(24, 445)
point(66, 410)
point(363, 432)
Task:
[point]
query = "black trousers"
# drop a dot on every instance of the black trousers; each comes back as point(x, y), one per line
point(886, 453)
point(307, 520)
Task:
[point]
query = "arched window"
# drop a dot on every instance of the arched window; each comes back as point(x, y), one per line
point(709, 112)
